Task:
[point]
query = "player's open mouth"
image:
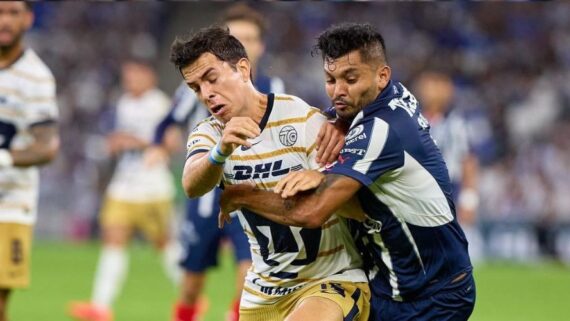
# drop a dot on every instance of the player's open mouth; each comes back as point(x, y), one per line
point(216, 109)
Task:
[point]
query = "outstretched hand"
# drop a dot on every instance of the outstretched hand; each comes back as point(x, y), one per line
point(300, 181)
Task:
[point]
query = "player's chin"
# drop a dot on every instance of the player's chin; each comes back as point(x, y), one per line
point(349, 112)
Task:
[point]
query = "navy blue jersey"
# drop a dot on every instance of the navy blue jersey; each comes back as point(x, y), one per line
point(411, 233)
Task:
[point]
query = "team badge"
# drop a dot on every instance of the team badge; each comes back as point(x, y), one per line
point(288, 136)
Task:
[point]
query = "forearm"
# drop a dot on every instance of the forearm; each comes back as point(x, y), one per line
point(41, 151)
point(200, 176)
point(300, 210)
point(36, 154)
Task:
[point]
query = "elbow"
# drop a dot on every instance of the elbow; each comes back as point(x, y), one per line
point(312, 219)
point(191, 190)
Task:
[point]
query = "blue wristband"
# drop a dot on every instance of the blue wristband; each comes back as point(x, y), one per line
point(216, 156)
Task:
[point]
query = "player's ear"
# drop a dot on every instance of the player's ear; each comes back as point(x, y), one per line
point(244, 68)
point(383, 75)
point(28, 19)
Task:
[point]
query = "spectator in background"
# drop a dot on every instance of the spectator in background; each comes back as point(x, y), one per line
point(138, 197)
point(448, 129)
point(28, 138)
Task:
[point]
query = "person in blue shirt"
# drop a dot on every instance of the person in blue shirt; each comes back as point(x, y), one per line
point(390, 177)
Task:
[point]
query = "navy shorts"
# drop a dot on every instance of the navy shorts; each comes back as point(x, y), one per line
point(453, 303)
point(201, 236)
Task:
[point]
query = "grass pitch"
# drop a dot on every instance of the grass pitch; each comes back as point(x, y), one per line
point(63, 272)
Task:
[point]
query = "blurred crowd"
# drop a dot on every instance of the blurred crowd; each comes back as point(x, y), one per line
point(510, 64)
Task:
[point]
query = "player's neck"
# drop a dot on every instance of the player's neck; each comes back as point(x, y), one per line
point(9, 55)
point(259, 106)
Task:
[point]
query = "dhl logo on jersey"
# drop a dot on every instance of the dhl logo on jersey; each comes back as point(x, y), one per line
point(264, 170)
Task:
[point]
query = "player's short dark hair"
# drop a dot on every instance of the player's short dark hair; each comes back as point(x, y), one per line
point(244, 12)
point(29, 5)
point(214, 39)
point(339, 40)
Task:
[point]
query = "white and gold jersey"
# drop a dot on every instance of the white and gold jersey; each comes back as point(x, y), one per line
point(132, 180)
point(285, 258)
point(27, 99)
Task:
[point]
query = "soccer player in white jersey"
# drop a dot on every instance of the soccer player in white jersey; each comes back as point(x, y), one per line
point(297, 274)
point(138, 197)
point(200, 235)
point(420, 268)
point(449, 131)
point(28, 138)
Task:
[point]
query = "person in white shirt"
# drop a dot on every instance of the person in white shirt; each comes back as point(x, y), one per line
point(28, 139)
point(139, 197)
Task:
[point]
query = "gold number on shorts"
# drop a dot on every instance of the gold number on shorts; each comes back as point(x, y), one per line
point(17, 251)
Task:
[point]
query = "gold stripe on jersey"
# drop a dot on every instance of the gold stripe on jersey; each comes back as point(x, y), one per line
point(191, 149)
point(24, 206)
point(269, 154)
point(29, 76)
point(331, 251)
point(208, 137)
point(311, 148)
point(330, 223)
point(283, 98)
point(248, 232)
point(294, 120)
point(37, 100)
point(264, 185)
point(14, 185)
point(22, 96)
point(11, 112)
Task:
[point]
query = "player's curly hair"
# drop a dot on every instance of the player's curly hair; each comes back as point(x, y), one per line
point(339, 40)
point(214, 39)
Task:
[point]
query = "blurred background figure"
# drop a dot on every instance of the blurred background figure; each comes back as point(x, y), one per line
point(28, 139)
point(138, 198)
point(201, 238)
point(449, 131)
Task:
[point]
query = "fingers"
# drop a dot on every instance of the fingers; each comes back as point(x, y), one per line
point(223, 218)
point(335, 151)
point(283, 182)
point(236, 132)
point(298, 182)
point(334, 142)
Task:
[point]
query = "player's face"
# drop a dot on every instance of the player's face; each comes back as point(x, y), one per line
point(250, 37)
point(435, 93)
point(352, 83)
point(15, 19)
point(137, 78)
point(221, 87)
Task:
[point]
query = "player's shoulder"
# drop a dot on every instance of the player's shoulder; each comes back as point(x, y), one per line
point(208, 124)
point(293, 106)
point(31, 67)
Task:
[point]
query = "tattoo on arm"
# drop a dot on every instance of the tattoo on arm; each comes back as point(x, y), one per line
point(330, 179)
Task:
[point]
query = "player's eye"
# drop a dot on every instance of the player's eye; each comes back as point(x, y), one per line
point(330, 81)
point(351, 80)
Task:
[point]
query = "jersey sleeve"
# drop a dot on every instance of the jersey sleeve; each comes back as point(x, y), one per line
point(371, 149)
point(203, 137)
point(315, 120)
point(42, 105)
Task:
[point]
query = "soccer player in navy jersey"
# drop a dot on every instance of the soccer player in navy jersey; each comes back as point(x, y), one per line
point(408, 228)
